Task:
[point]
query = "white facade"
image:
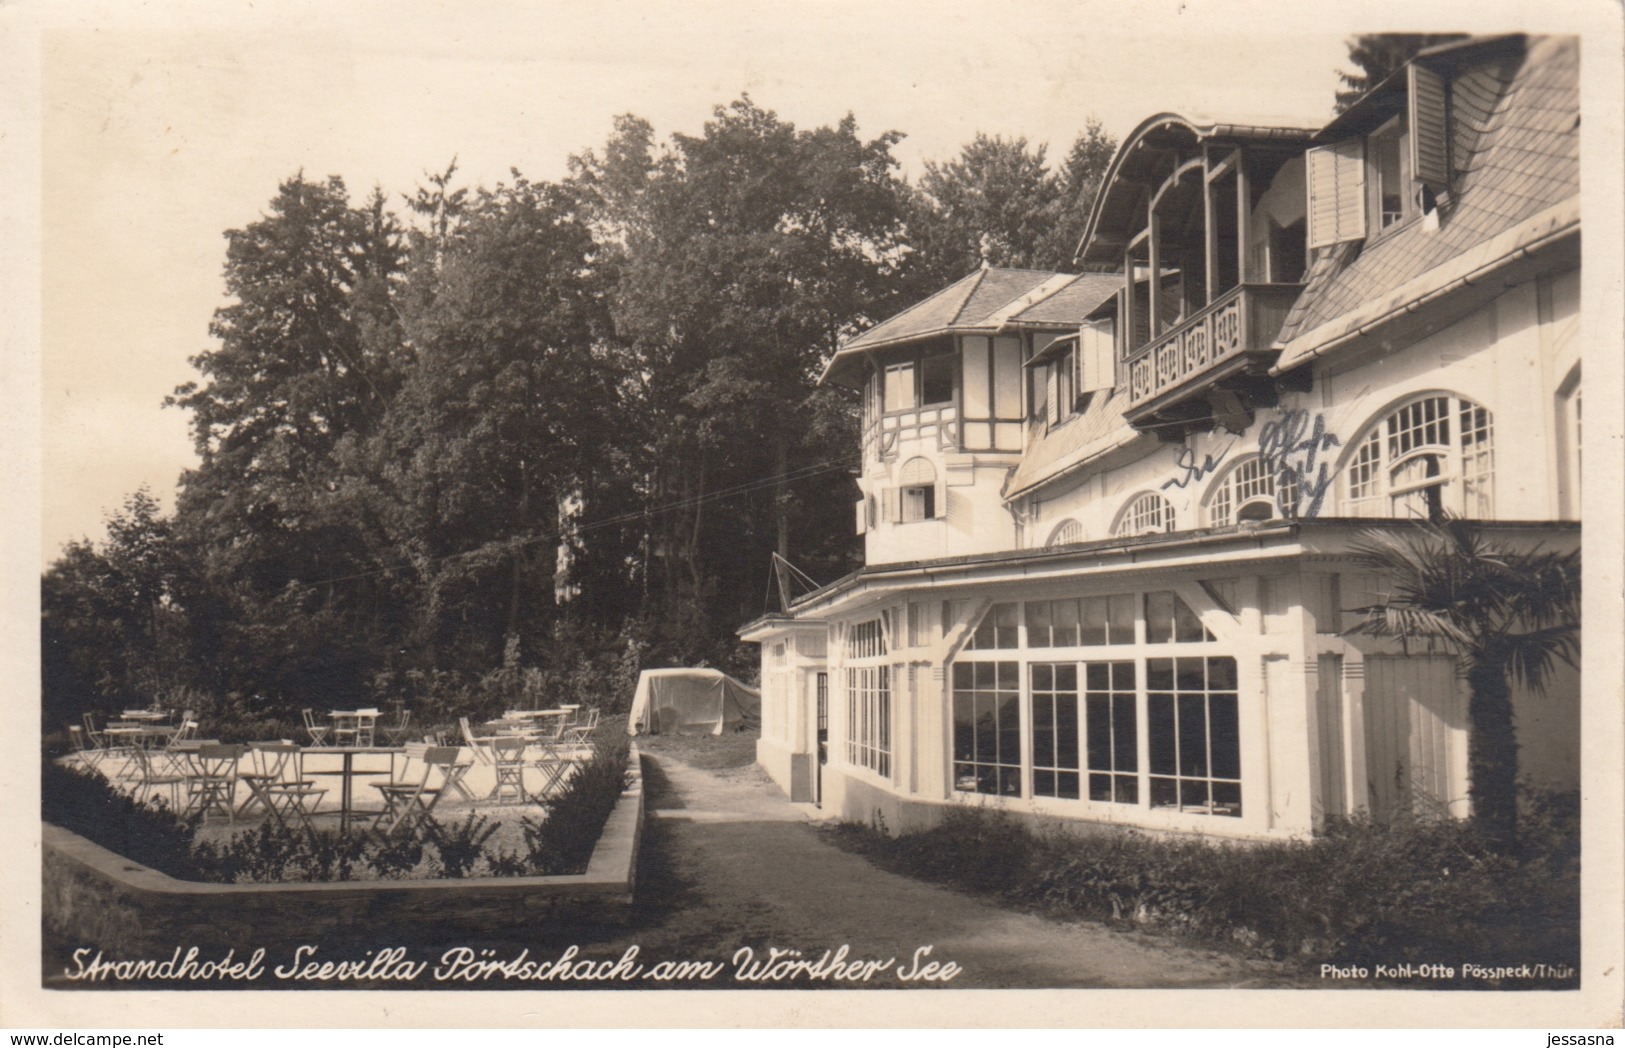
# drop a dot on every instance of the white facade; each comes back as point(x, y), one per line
point(1124, 600)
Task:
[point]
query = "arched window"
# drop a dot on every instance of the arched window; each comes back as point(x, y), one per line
point(1149, 514)
point(1067, 531)
point(917, 491)
point(1432, 455)
point(1250, 492)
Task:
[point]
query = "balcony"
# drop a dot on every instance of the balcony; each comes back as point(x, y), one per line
point(1224, 346)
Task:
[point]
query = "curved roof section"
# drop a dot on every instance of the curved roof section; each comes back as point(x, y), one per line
point(1145, 156)
point(984, 302)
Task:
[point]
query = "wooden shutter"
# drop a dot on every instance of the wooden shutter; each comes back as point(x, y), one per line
point(940, 498)
point(1430, 136)
point(1337, 193)
point(1096, 357)
point(1053, 386)
point(893, 506)
point(863, 515)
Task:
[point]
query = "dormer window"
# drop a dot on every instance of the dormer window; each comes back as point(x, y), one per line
point(1389, 181)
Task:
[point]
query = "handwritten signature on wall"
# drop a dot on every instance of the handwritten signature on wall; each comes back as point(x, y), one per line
point(1291, 449)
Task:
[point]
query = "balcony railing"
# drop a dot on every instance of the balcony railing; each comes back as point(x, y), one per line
point(1242, 322)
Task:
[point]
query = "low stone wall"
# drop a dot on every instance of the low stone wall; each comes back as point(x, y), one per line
point(96, 898)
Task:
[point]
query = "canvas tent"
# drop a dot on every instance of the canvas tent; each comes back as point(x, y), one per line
point(691, 702)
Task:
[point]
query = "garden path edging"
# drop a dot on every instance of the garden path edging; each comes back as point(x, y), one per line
point(97, 898)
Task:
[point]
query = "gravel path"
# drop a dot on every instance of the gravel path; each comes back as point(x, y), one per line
point(728, 863)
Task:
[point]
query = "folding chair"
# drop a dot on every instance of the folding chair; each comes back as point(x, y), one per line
point(149, 778)
point(365, 721)
point(292, 793)
point(173, 753)
point(395, 730)
point(401, 788)
point(508, 759)
point(88, 756)
point(417, 808)
point(108, 747)
point(317, 730)
point(579, 732)
point(265, 769)
point(481, 747)
point(212, 786)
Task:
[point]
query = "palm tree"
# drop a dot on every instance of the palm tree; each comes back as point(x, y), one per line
point(1508, 615)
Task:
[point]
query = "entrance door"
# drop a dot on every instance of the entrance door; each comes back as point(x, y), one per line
point(1413, 713)
point(821, 684)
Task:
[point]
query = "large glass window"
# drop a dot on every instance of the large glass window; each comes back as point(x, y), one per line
point(1192, 726)
point(1055, 729)
point(1084, 719)
point(1170, 620)
point(999, 628)
point(1251, 491)
point(1429, 456)
point(987, 728)
point(1112, 731)
point(868, 718)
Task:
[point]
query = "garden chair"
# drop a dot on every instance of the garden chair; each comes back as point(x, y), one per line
point(150, 777)
point(212, 786)
point(293, 794)
point(173, 752)
point(416, 808)
point(401, 788)
point(395, 730)
point(508, 760)
point(110, 748)
point(88, 756)
point(581, 731)
point(317, 730)
point(480, 746)
point(366, 722)
point(266, 762)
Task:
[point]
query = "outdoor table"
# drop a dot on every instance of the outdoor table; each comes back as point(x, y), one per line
point(347, 771)
point(145, 715)
point(354, 719)
point(141, 735)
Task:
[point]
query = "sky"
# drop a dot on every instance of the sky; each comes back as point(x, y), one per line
point(163, 125)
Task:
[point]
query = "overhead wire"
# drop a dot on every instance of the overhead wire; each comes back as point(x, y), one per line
point(800, 473)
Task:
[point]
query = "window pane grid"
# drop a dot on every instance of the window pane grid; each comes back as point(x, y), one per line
point(1055, 730)
point(1112, 733)
point(1148, 514)
point(868, 718)
point(987, 728)
point(1195, 740)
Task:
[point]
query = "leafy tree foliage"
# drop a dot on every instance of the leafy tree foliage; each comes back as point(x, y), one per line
point(1378, 55)
point(555, 427)
point(741, 256)
point(998, 204)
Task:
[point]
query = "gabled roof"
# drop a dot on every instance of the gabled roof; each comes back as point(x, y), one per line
point(1515, 145)
point(986, 301)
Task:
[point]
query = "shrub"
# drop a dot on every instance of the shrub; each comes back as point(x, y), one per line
point(1362, 892)
point(90, 806)
point(564, 841)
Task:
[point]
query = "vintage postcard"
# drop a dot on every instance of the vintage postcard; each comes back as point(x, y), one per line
point(519, 505)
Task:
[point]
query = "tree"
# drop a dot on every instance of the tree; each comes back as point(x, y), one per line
point(507, 412)
point(1376, 56)
point(998, 204)
point(309, 353)
point(112, 629)
point(1508, 615)
point(740, 256)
